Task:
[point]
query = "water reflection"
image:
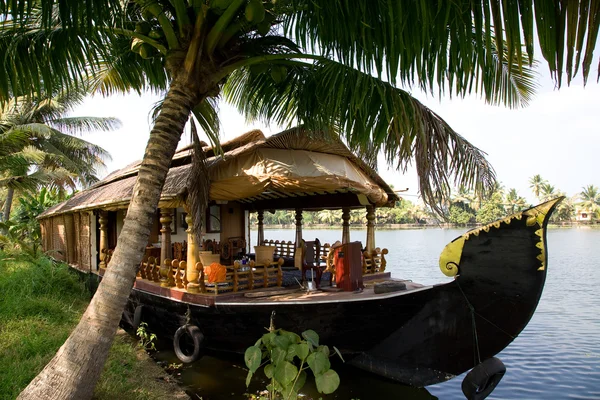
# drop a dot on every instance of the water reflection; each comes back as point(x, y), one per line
point(220, 377)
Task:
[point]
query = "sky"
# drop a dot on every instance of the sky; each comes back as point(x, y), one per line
point(556, 136)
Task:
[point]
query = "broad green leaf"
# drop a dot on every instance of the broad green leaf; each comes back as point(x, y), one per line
point(267, 339)
point(318, 362)
point(302, 351)
point(324, 350)
point(328, 382)
point(293, 338)
point(301, 381)
point(292, 352)
point(282, 342)
point(285, 373)
point(253, 356)
point(277, 356)
point(249, 378)
point(258, 342)
point(338, 353)
point(269, 370)
point(311, 336)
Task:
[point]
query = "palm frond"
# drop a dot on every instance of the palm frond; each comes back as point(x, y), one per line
point(371, 115)
point(206, 117)
point(429, 40)
point(80, 125)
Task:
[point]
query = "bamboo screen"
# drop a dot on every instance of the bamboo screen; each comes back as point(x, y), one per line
point(66, 237)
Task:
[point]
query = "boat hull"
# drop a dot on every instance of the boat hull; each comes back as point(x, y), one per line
point(419, 337)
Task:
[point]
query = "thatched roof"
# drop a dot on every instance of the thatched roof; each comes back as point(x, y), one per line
point(230, 174)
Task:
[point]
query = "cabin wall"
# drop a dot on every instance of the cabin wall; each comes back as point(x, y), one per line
point(67, 237)
point(232, 220)
point(94, 255)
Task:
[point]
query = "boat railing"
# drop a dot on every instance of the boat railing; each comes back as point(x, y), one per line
point(283, 249)
point(374, 261)
point(237, 277)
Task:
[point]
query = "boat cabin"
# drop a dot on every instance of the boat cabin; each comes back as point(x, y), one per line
point(294, 170)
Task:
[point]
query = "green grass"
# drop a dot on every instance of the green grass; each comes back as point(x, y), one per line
point(40, 303)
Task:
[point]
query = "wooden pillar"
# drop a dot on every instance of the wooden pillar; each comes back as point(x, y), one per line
point(260, 215)
point(346, 225)
point(166, 216)
point(191, 272)
point(370, 229)
point(298, 227)
point(103, 221)
point(298, 246)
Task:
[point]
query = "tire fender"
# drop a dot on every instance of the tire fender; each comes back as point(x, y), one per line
point(196, 336)
point(482, 380)
point(137, 316)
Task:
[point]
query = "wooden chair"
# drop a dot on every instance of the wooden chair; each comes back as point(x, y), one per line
point(311, 260)
point(178, 253)
point(266, 275)
point(375, 261)
point(231, 247)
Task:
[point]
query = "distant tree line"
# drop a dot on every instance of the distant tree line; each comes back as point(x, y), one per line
point(466, 208)
point(463, 208)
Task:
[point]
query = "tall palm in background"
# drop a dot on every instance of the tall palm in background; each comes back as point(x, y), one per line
point(536, 183)
point(513, 202)
point(38, 146)
point(590, 199)
point(320, 63)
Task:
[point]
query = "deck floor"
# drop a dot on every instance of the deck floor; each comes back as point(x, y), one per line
point(278, 295)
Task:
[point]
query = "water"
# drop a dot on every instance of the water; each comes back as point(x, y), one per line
point(557, 356)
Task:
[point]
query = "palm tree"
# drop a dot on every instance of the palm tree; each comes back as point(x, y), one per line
point(547, 192)
point(535, 183)
point(38, 146)
point(513, 202)
point(319, 62)
point(590, 196)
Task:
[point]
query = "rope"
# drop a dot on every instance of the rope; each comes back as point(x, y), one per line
point(473, 324)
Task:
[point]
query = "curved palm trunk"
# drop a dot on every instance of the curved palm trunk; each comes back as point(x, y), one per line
point(8, 204)
point(75, 369)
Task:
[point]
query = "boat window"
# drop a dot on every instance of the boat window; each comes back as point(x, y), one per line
point(213, 219)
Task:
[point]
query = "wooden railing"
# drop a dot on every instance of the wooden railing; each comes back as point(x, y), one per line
point(375, 261)
point(282, 248)
point(237, 277)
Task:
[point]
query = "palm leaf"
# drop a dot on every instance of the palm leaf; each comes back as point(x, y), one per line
point(418, 40)
point(371, 115)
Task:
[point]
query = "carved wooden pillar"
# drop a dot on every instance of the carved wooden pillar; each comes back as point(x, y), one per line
point(191, 272)
point(298, 226)
point(298, 235)
point(166, 216)
point(346, 225)
point(260, 215)
point(370, 229)
point(103, 221)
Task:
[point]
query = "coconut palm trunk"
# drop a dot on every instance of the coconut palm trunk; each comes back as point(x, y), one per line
point(74, 370)
point(10, 192)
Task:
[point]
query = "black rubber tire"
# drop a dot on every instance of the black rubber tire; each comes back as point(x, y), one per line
point(482, 380)
point(198, 339)
point(137, 316)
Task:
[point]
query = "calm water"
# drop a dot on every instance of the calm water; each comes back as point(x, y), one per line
point(557, 356)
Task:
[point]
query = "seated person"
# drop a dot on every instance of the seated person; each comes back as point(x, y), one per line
point(215, 273)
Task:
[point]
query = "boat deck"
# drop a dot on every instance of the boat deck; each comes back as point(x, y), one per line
point(279, 295)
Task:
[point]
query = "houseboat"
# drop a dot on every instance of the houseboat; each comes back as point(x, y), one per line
point(412, 333)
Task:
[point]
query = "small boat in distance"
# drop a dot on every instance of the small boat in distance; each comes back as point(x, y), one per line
point(419, 335)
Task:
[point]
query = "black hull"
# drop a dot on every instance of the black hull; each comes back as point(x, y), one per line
point(421, 337)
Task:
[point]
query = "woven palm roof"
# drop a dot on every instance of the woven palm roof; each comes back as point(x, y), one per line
point(115, 191)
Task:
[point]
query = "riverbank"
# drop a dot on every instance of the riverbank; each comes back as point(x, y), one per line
point(41, 302)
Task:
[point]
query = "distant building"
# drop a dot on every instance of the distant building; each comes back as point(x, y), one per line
point(583, 215)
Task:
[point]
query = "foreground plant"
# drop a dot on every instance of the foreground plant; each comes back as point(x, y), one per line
point(286, 357)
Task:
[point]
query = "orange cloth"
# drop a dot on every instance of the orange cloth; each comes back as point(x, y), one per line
point(216, 272)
